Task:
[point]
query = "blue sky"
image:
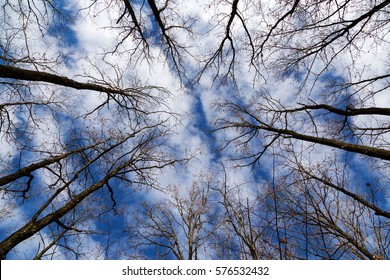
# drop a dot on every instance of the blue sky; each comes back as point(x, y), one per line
point(82, 39)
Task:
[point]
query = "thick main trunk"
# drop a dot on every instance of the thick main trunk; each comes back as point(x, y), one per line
point(33, 226)
point(11, 72)
point(25, 171)
point(360, 149)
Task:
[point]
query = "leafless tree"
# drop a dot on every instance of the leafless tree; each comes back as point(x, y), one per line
point(331, 109)
point(249, 225)
point(328, 220)
point(181, 224)
point(304, 107)
point(148, 24)
point(312, 91)
point(64, 155)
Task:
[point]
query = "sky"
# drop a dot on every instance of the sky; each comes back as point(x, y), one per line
point(79, 43)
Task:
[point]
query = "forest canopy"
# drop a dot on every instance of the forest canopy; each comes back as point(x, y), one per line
point(194, 129)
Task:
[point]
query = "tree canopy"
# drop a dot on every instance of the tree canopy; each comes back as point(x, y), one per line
point(206, 129)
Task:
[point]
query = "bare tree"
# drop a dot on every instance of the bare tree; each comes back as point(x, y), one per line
point(249, 225)
point(329, 108)
point(166, 31)
point(64, 153)
point(180, 225)
point(308, 108)
point(327, 221)
point(325, 107)
point(300, 85)
point(130, 167)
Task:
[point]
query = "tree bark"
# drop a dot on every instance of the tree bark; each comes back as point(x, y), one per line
point(11, 72)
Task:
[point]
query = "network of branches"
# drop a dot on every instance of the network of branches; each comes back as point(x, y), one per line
point(295, 93)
